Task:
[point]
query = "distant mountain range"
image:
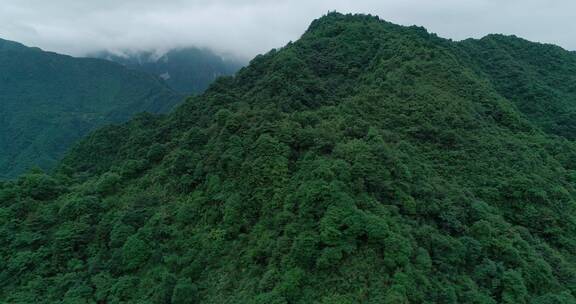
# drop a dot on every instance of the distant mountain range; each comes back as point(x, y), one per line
point(187, 70)
point(48, 101)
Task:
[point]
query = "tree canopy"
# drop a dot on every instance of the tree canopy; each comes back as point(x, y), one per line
point(364, 163)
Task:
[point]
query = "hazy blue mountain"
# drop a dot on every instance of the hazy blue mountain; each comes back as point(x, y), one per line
point(48, 101)
point(187, 70)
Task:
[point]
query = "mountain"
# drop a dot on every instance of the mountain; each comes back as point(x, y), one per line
point(540, 79)
point(48, 101)
point(187, 70)
point(366, 162)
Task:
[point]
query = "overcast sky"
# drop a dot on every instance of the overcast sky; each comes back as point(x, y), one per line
point(249, 27)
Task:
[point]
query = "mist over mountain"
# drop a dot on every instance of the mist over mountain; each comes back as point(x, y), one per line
point(48, 101)
point(187, 70)
point(252, 27)
point(366, 162)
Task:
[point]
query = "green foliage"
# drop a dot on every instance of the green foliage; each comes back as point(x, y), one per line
point(38, 186)
point(185, 292)
point(134, 252)
point(364, 163)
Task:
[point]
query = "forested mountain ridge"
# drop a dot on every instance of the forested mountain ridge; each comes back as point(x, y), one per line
point(540, 79)
point(364, 163)
point(6, 45)
point(48, 101)
point(187, 70)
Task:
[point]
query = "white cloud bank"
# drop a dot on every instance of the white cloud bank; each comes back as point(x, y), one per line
point(249, 27)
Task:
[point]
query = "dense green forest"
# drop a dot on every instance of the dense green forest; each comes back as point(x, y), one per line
point(539, 79)
point(49, 101)
point(187, 70)
point(364, 163)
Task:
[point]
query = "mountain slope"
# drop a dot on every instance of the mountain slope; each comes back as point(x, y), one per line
point(48, 101)
point(365, 163)
point(186, 70)
point(540, 79)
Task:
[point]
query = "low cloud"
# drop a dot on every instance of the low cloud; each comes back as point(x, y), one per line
point(246, 28)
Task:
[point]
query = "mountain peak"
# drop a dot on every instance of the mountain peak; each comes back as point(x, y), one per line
point(338, 19)
point(364, 163)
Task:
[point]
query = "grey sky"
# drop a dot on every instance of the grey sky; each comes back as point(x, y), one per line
point(249, 27)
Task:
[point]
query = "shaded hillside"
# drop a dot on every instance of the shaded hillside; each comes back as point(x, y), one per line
point(364, 163)
point(48, 101)
point(186, 70)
